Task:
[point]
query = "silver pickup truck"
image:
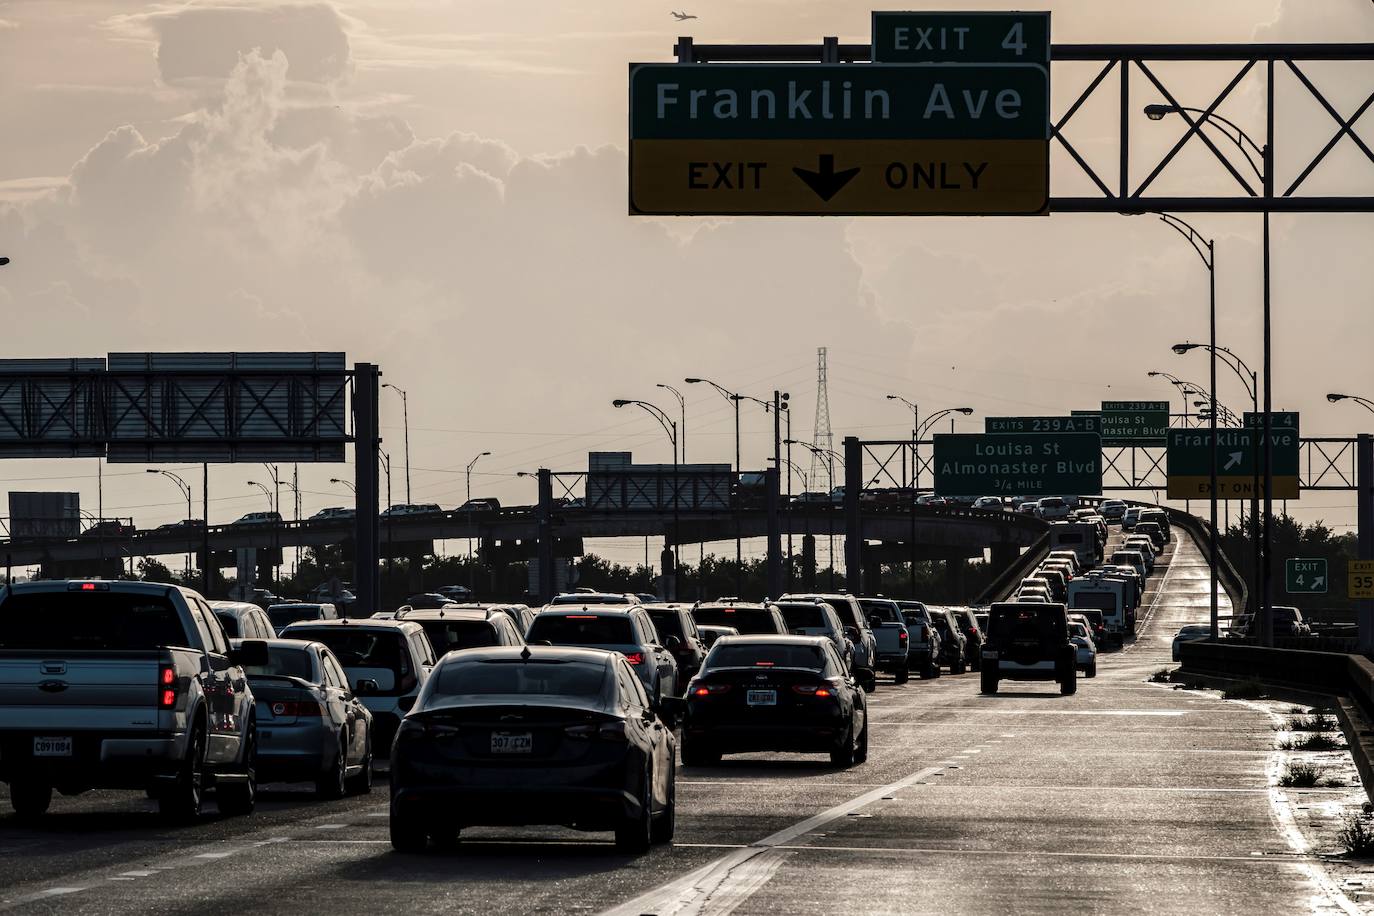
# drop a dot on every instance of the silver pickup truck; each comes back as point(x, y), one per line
point(123, 685)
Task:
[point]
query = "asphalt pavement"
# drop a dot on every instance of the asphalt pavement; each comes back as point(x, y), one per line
point(1128, 797)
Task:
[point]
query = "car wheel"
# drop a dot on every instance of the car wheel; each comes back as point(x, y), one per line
point(332, 782)
point(868, 680)
point(697, 753)
point(30, 799)
point(1090, 670)
point(181, 801)
point(843, 756)
point(988, 680)
point(237, 799)
point(926, 670)
point(634, 834)
point(861, 755)
point(362, 783)
point(1069, 686)
point(902, 675)
point(407, 833)
point(446, 836)
point(958, 667)
point(666, 824)
point(976, 662)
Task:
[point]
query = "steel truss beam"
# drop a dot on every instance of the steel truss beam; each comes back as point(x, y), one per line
point(1130, 65)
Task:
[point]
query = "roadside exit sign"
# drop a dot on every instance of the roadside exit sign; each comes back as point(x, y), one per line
point(961, 38)
point(1305, 577)
point(1359, 578)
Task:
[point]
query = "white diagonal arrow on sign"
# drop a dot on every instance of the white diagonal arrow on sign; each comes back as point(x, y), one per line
point(1235, 459)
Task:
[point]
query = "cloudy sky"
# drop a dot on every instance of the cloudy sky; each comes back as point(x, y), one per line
point(438, 186)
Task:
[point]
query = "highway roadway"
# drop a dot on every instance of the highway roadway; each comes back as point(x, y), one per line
point(1127, 797)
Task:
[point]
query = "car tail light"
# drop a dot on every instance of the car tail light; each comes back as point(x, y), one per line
point(606, 731)
point(634, 658)
point(763, 663)
point(903, 637)
point(709, 690)
point(166, 685)
point(299, 708)
point(812, 690)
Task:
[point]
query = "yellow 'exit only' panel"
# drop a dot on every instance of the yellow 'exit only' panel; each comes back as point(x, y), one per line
point(839, 177)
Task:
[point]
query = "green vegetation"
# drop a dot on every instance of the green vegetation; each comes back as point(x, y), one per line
point(1300, 776)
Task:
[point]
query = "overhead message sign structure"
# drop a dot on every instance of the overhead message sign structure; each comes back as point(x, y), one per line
point(961, 38)
point(1039, 464)
point(1305, 577)
point(1126, 423)
point(1238, 456)
point(969, 137)
point(1077, 424)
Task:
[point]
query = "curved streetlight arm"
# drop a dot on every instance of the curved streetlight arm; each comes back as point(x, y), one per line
point(939, 415)
point(724, 392)
point(1203, 246)
point(1238, 365)
point(1363, 402)
point(669, 425)
point(817, 450)
point(1239, 138)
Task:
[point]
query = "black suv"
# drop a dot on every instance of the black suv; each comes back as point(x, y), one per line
point(1029, 642)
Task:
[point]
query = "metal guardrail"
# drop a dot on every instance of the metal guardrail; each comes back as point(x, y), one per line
point(1227, 577)
point(1001, 586)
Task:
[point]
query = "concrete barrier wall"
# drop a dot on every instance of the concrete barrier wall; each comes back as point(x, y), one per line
point(1324, 672)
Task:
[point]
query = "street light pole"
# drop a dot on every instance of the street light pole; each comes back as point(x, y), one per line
point(405, 421)
point(734, 400)
point(185, 489)
point(472, 573)
point(1265, 171)
point(670, 427)
point(682, 427)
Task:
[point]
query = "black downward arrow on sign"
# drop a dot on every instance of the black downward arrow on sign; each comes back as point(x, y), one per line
point(825, 181)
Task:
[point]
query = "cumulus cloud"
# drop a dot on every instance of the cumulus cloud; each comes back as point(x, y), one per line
point(205, 40)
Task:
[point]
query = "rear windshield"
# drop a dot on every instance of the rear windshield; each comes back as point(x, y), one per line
point(1024, 624)
point(96, 621)
point(581, 630)
point(1051, 503)
point(452, 635)
point(283, 616)
point(765, 656)
point(592, 599)
point(667, 623)
point(515, 676)
point(1130, 558)
point(747, 620)
point(884, 610)
point(1066, 537)
point(230, 624)
point(802, 616)
point(1103, 601)
point(284, 662)
point(380, 656)
point(843, 608)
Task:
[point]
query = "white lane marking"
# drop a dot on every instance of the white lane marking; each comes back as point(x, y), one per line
point(214, 855)
point(331, 826)
point(59, 891)
point(141, 873)
point(696, 893)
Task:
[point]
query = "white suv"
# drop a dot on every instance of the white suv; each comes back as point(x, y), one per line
point(1051, 508)
point(387, 663)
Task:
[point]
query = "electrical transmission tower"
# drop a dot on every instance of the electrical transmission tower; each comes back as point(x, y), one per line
point(822, 438)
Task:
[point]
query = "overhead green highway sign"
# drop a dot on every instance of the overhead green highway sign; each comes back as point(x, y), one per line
point(1238, 456)
point(1083, 424)
point(1134, 422)
point(962, 38)
point(1030, 464)
point(1279, 419)
point(1305, 577)
point(839, 139)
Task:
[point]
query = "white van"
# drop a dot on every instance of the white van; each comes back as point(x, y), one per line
point(1081, 538)
point(1095, 592)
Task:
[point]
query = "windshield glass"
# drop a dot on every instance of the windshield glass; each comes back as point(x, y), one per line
point(283, 615)
point(89, 621)
point(1023, 625)
point(802, 616)
point(1104, 601)
point(746, 620)
point(667, 623)
point(581, 630)
point(884, 610)
point(284, 662)
point(516, 676)
point(763, 655)
point(379, 655)
point(230, 624)
point(452, 635)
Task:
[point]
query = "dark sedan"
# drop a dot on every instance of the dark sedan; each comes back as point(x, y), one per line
point(774, 693)
point(537, 735)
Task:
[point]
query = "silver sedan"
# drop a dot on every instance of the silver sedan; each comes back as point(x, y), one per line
point(311, 726)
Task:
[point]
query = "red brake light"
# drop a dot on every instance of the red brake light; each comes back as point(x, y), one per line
point(168, 677)
point(761, 663)
point(581, 617)
point(822, 692)
point(706, 690)
point(88, 586)
point(169, 699)
point(903, 636)
point(166, 680)
point(727, 610)
point(635, 658)
point(811, 690)
point(300, 709)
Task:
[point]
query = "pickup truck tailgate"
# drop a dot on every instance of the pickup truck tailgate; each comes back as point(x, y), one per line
point(107, 691)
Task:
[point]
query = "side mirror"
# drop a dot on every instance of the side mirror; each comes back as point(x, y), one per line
point(251, 653)
point(672, 643)
point(852, 634)
point(672, 710)
point(365, 686)
point(875, 621)
point(406, 703)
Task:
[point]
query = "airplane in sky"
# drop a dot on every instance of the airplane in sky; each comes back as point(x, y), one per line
point(682, 16)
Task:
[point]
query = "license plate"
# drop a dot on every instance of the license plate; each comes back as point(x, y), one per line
point(989, 653)
point(762, 698)
point(52, 747)
point(511, 742)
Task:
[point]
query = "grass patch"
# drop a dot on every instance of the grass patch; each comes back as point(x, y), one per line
point(1300, 776)
point(1244, 690)
point(1161, 676)
point(1318, 741)
point(1313, 723)
point(1357, 836)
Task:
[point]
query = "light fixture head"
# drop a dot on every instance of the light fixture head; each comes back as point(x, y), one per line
point(1333, 398)
point(1157, 112)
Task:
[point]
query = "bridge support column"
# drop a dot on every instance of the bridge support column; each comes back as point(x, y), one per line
point(808, 562)
point(1003, 555)
point(415, 573)
point(544, 532)
point(772, 504)
point(873, 574)
point(366, 530)
point(954, 578)
point(853, 524)
point(668, 581)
